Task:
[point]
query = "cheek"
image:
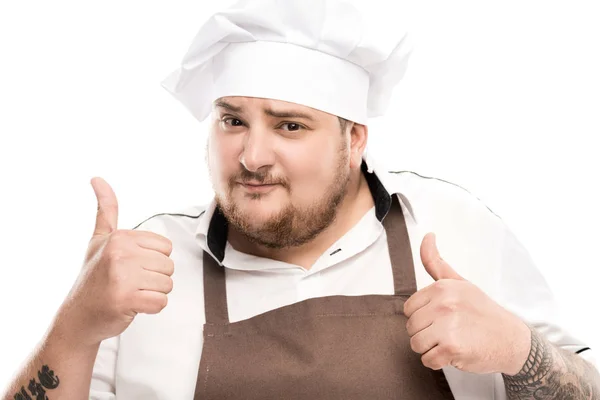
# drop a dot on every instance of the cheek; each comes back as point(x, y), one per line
point(223, 161)
point(311, 168)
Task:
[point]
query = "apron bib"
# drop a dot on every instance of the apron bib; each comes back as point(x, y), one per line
point(334, 347)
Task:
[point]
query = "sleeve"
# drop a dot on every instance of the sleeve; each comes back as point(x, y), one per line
point(102, 386)
point(525, 292)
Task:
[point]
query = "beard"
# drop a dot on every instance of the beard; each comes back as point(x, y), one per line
point(293, 226)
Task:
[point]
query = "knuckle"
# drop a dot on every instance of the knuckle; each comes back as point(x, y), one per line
point(427, 361)
point(115, 254)
point(414, 344)
point(435, 365)
point(434, 361)
point(450, 348)
point(157, 304)
point(169, 285)
point(154, 308)
point(449, 305)
point(115, 249)
point(170, 267)
point(443, 286)
point(169, 245)
point(406, 307)
point(411, 328)
point(458, 364)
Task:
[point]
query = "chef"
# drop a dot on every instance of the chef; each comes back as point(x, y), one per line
point(313, 273)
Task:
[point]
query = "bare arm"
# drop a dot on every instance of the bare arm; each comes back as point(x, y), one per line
point(553, 373)
point(58, 368)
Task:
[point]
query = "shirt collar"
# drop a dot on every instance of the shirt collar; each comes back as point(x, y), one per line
point(212, 227)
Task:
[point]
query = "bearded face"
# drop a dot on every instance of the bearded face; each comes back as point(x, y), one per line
point(279, 170)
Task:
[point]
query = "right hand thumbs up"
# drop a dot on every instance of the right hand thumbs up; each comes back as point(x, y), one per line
point(125, 272)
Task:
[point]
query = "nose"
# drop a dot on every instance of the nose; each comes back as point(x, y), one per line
point(257, 151)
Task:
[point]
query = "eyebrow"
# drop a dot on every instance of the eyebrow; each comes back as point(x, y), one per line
point(288, 114)
point(228, 106)
point(267, 111)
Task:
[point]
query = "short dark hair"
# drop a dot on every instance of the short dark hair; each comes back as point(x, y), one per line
point(343, 123)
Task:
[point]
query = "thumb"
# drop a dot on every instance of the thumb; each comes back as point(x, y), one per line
point(433, 262)
point(108, 208)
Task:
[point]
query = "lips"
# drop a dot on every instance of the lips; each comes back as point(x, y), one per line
point(256, 184)
point(258, 187)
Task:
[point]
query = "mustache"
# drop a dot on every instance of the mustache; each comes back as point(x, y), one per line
point(262, 177)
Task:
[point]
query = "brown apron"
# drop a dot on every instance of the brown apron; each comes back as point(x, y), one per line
point(334, 347)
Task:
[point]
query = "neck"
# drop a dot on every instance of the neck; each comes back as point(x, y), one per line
point(356, 203)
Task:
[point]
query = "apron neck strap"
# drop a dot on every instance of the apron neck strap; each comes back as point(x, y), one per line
point(400, 251)
point(215, 295)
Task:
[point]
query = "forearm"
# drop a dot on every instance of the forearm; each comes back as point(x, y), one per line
point(553, 373)
point(58, 368)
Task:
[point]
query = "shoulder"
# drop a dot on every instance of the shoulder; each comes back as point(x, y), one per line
point(184, 218)
point(434, 199)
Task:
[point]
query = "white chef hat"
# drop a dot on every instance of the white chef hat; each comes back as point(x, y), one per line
point(323, 54)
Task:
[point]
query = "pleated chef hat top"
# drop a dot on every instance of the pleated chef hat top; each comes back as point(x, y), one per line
point(323, 54)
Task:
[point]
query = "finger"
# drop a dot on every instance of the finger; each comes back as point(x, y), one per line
point(435, 359)
point(434, 264)
point(108, 207)
point(149, 302)
point(424, 340)
point(155, 281)
point(420, 320)
point(153, 241)
point(157, 262)
point(418, 300)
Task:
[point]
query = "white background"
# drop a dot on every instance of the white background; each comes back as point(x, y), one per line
point(502, 98)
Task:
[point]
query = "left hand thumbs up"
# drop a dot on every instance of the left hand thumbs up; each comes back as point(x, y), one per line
point(435, 266)
point(454, 323)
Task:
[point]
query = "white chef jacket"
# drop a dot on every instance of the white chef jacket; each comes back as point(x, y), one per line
point(158, 355)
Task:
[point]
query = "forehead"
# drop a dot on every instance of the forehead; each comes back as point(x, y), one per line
point(252, 104)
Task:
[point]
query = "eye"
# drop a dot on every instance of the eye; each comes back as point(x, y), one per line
point(292, 127)
point(229, 123)
point(234, 121)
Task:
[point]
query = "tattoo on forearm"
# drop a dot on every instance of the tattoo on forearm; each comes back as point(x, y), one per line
point(47, 381)
point(553, 373)
point(537, 366)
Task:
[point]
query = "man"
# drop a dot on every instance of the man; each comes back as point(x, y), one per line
point(312, 274)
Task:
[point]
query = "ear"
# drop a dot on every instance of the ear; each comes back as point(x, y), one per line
point(358, 142)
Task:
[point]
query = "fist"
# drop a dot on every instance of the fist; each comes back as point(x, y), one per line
point(125, 272)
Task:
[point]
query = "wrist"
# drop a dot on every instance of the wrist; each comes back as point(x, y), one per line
point(66, 331)
point(69, 340)
point(518, 349)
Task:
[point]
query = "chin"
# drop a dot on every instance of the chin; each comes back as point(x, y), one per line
point(259, 211)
